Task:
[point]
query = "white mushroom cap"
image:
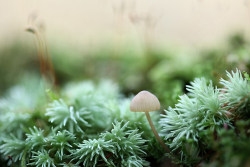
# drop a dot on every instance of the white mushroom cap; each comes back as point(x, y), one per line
point(144, 101)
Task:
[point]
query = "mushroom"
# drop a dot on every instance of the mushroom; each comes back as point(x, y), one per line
point(146, 102)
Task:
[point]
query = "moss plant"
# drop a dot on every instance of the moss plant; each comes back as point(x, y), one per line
point(204, 112)
point(90, 124)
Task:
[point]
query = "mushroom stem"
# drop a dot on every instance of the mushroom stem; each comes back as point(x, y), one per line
point(155, 132)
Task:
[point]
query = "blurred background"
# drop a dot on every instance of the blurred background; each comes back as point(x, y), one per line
point(156, 45)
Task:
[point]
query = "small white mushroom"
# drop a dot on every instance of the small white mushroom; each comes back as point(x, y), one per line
point(146, 102)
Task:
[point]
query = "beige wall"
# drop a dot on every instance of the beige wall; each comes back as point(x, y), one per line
point(185, 22)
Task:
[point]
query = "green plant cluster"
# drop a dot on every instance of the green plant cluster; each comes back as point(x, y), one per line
point(86, 124)
point(90, 124)
point(206, 122)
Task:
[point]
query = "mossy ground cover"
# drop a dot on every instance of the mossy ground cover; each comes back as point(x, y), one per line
point(85, 119)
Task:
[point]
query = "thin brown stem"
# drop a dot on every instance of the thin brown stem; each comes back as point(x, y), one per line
point(46, 66)
point(155, 132)
point(40, 53)
point(49, 67)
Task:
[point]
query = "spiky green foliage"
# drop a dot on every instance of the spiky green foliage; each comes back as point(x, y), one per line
point(204, 110)
point(113, 147)
point(200, 110)
point(67, 117)
point(237, 94)
point(42, 159)
point(127, 143)
point(14, 123)
point(35, 139)
point(18, 106)
point(60, 143)
point(13, 147)
point(93, 151)
point(88, 124)
point(75, 128)
point(87, 97)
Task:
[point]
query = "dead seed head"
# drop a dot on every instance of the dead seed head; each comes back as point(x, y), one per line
point(31, 29)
